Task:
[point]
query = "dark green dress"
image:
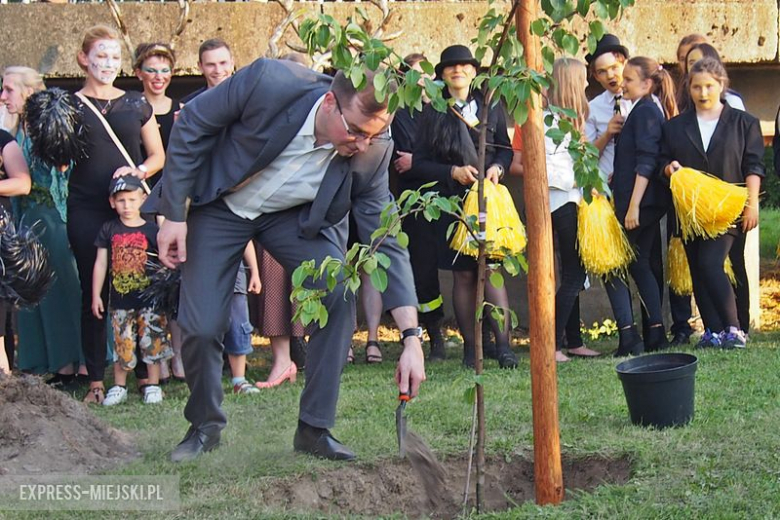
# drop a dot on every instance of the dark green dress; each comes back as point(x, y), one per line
point(50, 333)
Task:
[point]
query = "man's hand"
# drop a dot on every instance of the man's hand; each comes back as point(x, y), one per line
point(172, 243)
point(404, 162)
point(411, 368)
point(465, 175)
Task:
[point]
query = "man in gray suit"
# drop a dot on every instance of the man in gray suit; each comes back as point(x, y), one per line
point(279, 153)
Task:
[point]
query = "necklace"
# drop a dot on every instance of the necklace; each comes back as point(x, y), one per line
point(103, 108)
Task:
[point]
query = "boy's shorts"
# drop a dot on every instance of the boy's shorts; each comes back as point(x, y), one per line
point(144, 328)
point(238, 338)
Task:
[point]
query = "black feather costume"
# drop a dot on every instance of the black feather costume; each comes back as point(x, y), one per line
point(162, 293)
point(25, 271)
point(55, 124)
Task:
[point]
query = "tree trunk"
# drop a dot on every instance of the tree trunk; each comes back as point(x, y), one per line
point(541, 282)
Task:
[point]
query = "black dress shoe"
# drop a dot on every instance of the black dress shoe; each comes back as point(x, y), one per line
point(194, 443)
point(680, 338)
point(630, 343)
point(320, 443)
point(656, 340)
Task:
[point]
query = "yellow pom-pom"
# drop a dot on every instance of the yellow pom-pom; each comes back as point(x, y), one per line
point(677, 270)
point(604, 248)
point(503, 227)
point(679, 273)
point(706, 206)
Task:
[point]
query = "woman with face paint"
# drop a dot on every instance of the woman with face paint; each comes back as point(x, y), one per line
point(50, 333)
point(132, 120)
point(725, 142)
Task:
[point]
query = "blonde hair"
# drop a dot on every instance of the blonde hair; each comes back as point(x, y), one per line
point(570, 78)
point(27, 79)
point(144, 51)
point(93, 34)
point(663, 84)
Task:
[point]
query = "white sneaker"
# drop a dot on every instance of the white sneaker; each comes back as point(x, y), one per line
point(115, 395)
point(153, 394)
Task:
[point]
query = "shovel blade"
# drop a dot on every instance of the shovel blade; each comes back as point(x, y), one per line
point(400, 428)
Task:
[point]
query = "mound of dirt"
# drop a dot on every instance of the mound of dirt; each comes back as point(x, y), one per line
point(43, 431)
point(392, 487)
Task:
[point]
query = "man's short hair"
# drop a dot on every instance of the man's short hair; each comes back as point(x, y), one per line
point(345, 92)
point(210, 45)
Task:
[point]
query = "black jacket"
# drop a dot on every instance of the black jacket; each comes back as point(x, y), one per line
point(432, 163)
point(736, 149)
point(636, 153)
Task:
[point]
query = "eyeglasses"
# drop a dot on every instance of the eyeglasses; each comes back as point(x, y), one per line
point(149, 70)
point(384, 135)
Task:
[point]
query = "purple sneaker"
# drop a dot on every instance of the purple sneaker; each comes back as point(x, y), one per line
point(709, 340)
point(733, 338)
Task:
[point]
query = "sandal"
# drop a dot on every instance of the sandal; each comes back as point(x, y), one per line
point(372, 359)
point(95, 395)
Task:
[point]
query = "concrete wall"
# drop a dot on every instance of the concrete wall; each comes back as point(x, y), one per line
point(46, 36)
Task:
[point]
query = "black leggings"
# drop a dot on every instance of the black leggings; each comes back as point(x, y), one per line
point(742, 290)
point(644, 270)
point(711, 287)
point(572, 274)
point(83, 228)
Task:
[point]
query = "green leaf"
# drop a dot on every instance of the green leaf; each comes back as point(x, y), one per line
point(392, 104)
point(358, 77)
point(548, 57)
point(520, 113)
point(583, 6)
point(379, 232)
point(299, 275)
point(539, 27)
point(470, 395)
point(323, 317)
point(496, 280)
point(323, 36)
point(403, 239)
point(370, 265)
point(373, 60)
point(379, 279)
point(382, 259)
point(427, 67)
point(571, 44)
point(597, 29)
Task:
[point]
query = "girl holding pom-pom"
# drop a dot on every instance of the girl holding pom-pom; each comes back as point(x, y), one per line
point(727, 143)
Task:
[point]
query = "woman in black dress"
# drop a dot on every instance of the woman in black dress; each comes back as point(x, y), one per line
point(446, 152)
point(131, 118)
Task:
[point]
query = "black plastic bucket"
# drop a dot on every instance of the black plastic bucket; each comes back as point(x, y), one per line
point(659, 388)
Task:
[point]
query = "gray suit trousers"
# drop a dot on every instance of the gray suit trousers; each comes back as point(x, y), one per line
point(216, 239)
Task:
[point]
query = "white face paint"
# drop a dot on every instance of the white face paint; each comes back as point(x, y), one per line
point(104, 61)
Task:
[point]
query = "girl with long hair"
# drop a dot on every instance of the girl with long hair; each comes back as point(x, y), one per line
point(446, 151)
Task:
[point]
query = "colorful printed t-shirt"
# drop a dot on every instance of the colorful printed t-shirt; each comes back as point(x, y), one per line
point(128, 249)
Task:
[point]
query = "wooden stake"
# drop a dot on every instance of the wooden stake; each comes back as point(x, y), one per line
point(541, 282)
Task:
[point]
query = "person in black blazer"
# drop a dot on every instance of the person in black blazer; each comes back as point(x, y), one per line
point(641, 198)
point(727, 143)
point(446, 152)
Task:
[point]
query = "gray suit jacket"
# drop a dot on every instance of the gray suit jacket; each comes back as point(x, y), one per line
point(236, 129)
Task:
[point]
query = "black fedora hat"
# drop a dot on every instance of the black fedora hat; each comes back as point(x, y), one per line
point(607, 43)
point(454, 55)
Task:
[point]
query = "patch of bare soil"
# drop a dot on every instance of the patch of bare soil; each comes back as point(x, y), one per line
point(392, 487)
point(44, 432)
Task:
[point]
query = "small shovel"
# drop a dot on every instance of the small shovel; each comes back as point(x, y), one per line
point(400, 423)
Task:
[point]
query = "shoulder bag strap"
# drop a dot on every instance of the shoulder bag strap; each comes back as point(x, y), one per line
point(112, 135)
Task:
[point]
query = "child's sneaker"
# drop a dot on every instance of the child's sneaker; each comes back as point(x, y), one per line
point(709, 340)
point(245, 387)
point(152, 394)
point(116, 395)
point(733, 338)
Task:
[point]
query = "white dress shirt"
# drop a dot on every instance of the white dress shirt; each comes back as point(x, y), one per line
point(293, 178)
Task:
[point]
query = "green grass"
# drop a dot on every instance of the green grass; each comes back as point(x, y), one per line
point(769, 236)
point(725, 464)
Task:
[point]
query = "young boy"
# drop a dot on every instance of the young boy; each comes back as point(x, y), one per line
point(136, 326)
